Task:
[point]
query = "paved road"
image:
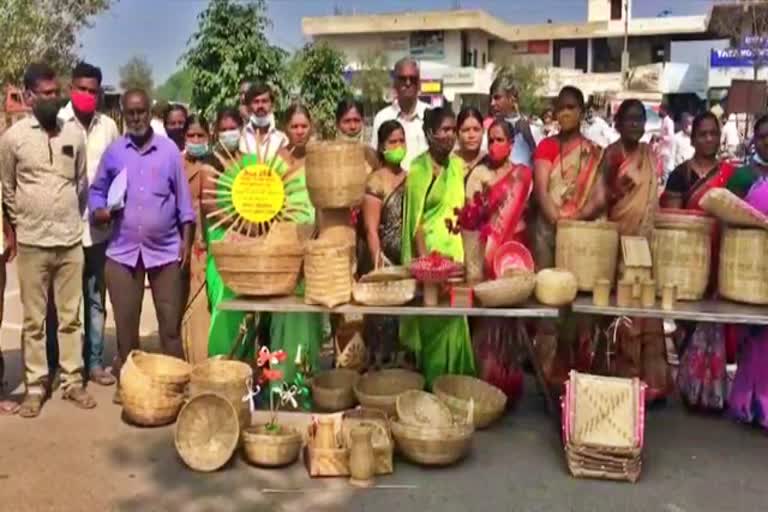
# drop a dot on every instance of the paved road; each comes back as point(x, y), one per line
point(72, 460)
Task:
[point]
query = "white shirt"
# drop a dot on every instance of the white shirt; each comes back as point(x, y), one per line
point(158, 128)
point(265, 145)
point(731, 136)
point(599, 131)
point(683, 148)
point(98, 136)
point(415, 140)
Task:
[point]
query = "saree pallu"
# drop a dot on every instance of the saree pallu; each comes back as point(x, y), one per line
point(441, 344)
point(573, 174)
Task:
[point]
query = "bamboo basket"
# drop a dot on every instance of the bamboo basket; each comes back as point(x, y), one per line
point(511, 290)
point(149, 409)
point(743, 273)
point(258, 268)
point(328, 273)
point(588, 249)
point(385, 293)
point(419, 408)
point(333, 391)
point(379, 390)
point(156, 371)
point(349, 346)
point(457, 391)
point(682, 246)
point(207, 432)
point(335, 173)
point(229, 379)
point(556, 287)
point(434, 446)
point(383, 444)
point(267, 449)
point(386, 273)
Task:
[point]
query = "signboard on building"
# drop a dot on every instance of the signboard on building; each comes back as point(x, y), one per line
point(431, 87)
point(459, 77)
point(428, 45)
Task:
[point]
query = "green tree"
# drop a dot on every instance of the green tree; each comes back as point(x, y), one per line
point(530, 81)
point(178, 87)
point(230, 44)
point(136, 74)
point(32, 30)
point(320, 83)
point(372, 80)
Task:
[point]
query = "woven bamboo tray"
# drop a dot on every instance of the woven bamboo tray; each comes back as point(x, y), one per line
point(422, 409)
point(228, 379)
point(511, 290)
point(336, 173)
point(207, 432)
point(258, 268)
point(743, 272)
point(457, 391)
point(379, 390)
point(332, 390)
point(385, 293)
point(269, 449)
point(681, 247)
point(556, 287)
point(328, 273)
point(588, 249)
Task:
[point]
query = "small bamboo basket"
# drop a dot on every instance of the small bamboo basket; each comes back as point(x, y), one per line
point(328, 273)
point(258, 268)
point(588, 249)
point(154, 373)
point(333, 390)
point(419, 408)
point(556, 287)
point(336, 173)
point(682, 246)
point(379, 390)
point(385, 293)
point(207, 432)
point(271, 449)
point(743, 273)
point(457, 391)
point(434, 446)
point(229, 379)
point(511, 290)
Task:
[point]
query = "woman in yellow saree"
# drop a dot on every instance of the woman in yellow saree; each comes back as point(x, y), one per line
point(433, 189)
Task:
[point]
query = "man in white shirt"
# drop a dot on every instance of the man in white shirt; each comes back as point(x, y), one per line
point(597, 129)
point(407, 109)
point(667, 145)
point(260, 135)
point(683, 148)
point(505, 97)
point(100, 131)
point(159, 109)
point(731, 138)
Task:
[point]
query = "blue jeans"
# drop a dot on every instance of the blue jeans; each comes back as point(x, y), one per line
point(95, 313)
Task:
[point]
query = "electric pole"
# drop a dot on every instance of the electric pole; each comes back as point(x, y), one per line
point(625, 53)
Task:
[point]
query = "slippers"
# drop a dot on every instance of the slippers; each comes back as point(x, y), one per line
point(31, 405)
point(80, 397)
point(8, 407)
point(102, 377)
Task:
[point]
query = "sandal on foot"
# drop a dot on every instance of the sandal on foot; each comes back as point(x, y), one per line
point(8, 408)
point(31, 405)
point(80, 397)
point(102, 377)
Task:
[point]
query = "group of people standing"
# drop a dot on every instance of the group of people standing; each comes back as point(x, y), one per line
point(88, 210)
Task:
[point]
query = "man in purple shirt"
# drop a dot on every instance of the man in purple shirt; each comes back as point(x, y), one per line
point(140, 187)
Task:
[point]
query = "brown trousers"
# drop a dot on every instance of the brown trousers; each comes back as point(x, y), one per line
point(126, 292)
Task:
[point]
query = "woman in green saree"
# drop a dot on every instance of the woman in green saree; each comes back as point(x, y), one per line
point(433, 189)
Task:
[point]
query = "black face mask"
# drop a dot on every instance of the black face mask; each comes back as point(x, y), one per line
point(47, 111)
point(177, 136)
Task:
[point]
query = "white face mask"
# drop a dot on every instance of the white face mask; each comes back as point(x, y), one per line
point(261, 121)
point(230, 139)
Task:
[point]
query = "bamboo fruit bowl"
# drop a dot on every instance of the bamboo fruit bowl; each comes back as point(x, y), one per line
point(419, 408)
point(434, 446)
point(207, 432)
point(743, 273)
point(588, 249)
point(385, 293)
point(458, 391)
point(271, 449)
point(333, 390)
point(258, 268)
point(379, 390)
point(513, 289)
point(335, 173)
point(160, 369)
point(229, 379)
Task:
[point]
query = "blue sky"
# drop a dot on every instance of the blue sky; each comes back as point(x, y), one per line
point(160, 29)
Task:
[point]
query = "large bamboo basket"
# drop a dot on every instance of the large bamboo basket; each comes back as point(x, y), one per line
point(149, 409)
point(434, 446)
point(457, 391)
point(207, 432)
point(335, 173)
point(379, 390)
point(743, 273)
point(328, 273)
point(258, 268)
point(682, 246)
point(588, 249)
point(228, 379)
point(156, 371)
point(271, 449)
point(333, 391)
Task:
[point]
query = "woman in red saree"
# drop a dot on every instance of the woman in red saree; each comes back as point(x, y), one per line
point(702, 377)
point(508, 187)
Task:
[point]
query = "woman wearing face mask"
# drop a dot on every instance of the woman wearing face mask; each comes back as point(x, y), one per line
point(175, 124)
point(470, 127)
point(433, 189)
point(508, 187)
point(383, 223)
point(349, 127)
point(707, 342)
point(198, 163)
point(565, 170)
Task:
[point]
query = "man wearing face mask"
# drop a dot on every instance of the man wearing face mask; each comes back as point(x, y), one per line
point(504, 103)
point(141, 187)
point(43, 169)
point(260, 136)
point(99, 131)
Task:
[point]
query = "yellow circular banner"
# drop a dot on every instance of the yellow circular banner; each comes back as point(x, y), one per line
point(258, 193)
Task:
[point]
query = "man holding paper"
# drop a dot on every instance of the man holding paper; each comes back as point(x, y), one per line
point(140, 187)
